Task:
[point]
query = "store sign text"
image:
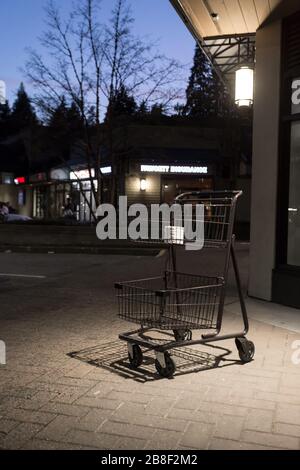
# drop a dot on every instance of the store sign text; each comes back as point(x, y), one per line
point(199, 170)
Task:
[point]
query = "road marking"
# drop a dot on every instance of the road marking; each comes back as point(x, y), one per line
point(22, 275)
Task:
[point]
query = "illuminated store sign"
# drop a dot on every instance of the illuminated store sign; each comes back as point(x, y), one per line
point(189, 169)
point(106, 170)
point(20, 180)
point(86, 174)
point(199, 170)
point(82, 174)
point(155, 168)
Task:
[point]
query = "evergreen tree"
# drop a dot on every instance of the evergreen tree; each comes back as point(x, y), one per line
point(5, 113)
point(222, 103)
point(122, 104)
point(59, 117)
point(74, 118)
point(65, 125)
point(198, 93)
point(23, 114)
point(157, 110)
point(142, 110)
point(206, 94)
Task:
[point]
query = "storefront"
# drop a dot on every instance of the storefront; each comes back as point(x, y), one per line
point(275, 222)
point(286, 274)
point(161, 183)
point(51, 193)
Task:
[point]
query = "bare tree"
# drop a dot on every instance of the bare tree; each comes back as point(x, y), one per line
point(88, 62)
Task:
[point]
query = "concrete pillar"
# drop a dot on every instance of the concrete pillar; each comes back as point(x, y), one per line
point(265, 158)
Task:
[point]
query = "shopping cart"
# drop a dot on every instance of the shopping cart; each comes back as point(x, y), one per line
point(180, 302)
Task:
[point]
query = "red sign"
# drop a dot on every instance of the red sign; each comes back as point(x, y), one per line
point(20, 180)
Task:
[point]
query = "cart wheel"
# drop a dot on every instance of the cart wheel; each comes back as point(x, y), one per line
point(170, 368)
point(137, 358)
point(182, 335)
point(246, 349)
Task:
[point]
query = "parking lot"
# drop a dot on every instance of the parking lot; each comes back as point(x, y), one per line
point(67, 383)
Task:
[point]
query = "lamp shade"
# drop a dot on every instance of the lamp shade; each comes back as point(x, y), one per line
point(244, 86)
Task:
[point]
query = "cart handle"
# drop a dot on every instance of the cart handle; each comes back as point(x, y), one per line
point(161, 293)
point(226, 193)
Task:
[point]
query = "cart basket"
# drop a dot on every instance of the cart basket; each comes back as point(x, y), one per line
point(173, 301)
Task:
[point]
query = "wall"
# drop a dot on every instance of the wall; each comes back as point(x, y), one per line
point(265, 157)
point(135, 195)
point(244, 202)
point(9, 193)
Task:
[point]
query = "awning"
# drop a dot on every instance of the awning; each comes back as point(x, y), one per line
point(234, 16)
point(225, 29)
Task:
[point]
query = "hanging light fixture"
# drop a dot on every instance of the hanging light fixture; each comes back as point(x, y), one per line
point(244, 78)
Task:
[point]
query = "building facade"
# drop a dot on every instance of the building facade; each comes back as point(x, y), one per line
point(275, 205)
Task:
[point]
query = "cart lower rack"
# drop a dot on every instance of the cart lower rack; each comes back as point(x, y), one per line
point(180, 302)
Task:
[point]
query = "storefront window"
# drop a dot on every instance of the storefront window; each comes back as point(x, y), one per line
point(85, 200)
point(294, 197)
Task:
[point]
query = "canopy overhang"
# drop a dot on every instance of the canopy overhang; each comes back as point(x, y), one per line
point(226, 29)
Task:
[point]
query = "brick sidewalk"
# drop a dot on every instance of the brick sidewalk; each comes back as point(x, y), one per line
point(49, 400)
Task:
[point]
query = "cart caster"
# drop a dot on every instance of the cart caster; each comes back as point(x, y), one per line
point(246, 349)
point(182, 335)
point(165, 366)
point(135, 355)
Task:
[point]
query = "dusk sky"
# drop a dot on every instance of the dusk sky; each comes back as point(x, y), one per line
point(22, 22)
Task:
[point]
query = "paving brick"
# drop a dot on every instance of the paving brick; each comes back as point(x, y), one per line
point(125, 443)
point(39, 444)
point(19, 435)
point(255, 403)
point(98, 402)
point(287, 429)
point(185, 403)
point(224, 409)
point(79, 371)
point(289, 414)
point(229, 427)
point(227, 444)
point(163, 440)
point(101, 389)
point(93, 420)
point(131, 397)
point(279, 397)
point(125, 429)
point(58, 428)
point(6, 425)
point(65, 409)
point(91, 439)
point(159, 406)
point(129, 413)
point(197, 436)
point(259, 420)
point(28, 416)
point(272, 440)
point(201, 416)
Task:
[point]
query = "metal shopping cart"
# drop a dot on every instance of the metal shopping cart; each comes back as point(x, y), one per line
point(180, 302)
